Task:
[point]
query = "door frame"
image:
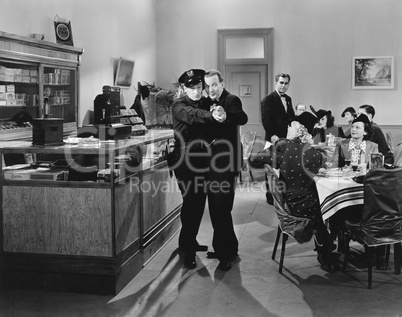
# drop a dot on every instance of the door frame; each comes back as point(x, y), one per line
point(268, 48)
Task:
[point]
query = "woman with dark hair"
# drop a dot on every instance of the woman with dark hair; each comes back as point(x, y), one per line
point(352, 149)
point(349, 114)
point(325, 126)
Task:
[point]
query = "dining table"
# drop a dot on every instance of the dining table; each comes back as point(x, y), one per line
point(337, 191)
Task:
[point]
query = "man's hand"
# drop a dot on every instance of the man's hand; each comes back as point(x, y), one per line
point(274, 138)
point(219, 114)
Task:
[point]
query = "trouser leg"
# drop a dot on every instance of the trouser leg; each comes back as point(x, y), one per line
point(220, 201)
point(194, 198)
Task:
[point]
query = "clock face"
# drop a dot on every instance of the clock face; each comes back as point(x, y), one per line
point(62, 31)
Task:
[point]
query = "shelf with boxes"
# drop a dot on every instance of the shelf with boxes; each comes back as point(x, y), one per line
point(32, 72)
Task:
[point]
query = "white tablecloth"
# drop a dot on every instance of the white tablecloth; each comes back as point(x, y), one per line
point(336, 193)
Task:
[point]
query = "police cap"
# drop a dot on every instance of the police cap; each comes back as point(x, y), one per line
point(192, 77)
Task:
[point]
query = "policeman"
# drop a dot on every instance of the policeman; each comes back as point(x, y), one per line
point(191, 117)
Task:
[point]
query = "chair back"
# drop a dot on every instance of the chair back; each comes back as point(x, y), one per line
point(382, 213)
point(390, 141)
point(398, 155)
point(299, 228)
point(247, 140)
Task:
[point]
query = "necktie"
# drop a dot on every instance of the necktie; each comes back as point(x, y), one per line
point(284, 102)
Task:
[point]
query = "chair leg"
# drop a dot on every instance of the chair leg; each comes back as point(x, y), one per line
point(251, 175)
point(380, 251)
point(387, 252)
point(240, 177)
point(397, 258)
point(278, 236)
point(284, 239)
point(369, 268)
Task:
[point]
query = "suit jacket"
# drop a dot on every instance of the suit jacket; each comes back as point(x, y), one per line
point(226, 146)
point(274, 117)
point(379, 138)
point(342, 151)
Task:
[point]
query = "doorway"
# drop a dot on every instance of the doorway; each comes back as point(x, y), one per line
point(249, 82)
point(245, 59)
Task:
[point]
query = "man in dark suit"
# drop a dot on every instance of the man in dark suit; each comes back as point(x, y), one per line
point(225, 164)
point(277, 110)
point(277, 114)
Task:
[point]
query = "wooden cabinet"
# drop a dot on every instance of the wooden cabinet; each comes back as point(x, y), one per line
point(37, 79)
point(87, 235)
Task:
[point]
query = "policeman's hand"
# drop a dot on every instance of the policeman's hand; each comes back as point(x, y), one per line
point(219, 114)
point(274, 138)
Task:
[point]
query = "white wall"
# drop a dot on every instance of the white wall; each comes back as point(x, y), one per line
point(314, 41)
point(106, 30)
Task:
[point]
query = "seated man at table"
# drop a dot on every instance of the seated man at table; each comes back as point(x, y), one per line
point(298, 162)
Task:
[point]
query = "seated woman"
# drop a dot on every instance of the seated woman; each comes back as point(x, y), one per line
point(298, 161)
point(352, 149)
point(349, 114)
point(325, 126)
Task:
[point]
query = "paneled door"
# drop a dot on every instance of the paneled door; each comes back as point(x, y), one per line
point(249, 82)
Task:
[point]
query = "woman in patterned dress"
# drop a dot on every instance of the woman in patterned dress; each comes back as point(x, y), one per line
point(298, 162)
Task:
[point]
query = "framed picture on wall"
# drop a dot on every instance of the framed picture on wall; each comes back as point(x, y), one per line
point(373, 72)
point(124, 73)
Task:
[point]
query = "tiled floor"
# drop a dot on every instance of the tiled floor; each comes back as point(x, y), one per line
point(253, 287)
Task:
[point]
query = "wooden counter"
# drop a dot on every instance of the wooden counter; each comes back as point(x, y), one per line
point(88, 236)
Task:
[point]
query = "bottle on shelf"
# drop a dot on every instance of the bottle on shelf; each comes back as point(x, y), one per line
point(46, 107)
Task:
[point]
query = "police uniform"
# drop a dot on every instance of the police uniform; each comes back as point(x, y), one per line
point(190, 120)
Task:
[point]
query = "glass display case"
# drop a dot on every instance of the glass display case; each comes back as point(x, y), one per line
point(114, 204)
point(38, 79)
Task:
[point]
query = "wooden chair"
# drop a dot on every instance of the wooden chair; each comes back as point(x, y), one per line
point(299, 228)
point(381, 219)
point(398, 155)
point(247, 140)
point(390, 141)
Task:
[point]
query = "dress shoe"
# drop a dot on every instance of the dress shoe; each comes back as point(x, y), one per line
point(189, 261)
point(225, 265)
